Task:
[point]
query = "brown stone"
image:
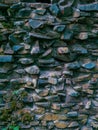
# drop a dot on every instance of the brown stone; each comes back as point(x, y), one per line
point(61, 124)
point(53, 117)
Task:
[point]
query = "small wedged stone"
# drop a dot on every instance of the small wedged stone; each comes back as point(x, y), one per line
point(8, 50)
point(36, 97)
point(35, 49)
point(28, 99)
point(83, 36)
point(68, 35)
point(73, 114)
point(72, 92)
point(88, 105)
point(59, 28)
point(56, 106)
point(42, 92)
point(32, 70)
point(76, 13)
point(38, 110)
point(54, 98)
point(63, 50)
point(73, 124)
point(25, 61)
point(52, 80)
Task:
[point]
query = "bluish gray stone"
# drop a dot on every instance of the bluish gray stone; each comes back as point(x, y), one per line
point(17, 48)
point(35, 23)
point(72, 114)
point(89, 65)
point(89, 7)
point(6, 58)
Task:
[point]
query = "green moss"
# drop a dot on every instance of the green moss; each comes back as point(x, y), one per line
point(26, 117)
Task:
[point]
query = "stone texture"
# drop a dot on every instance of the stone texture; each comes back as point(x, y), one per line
point(48, 65)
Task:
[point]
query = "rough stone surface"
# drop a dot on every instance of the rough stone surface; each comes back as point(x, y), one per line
point(48, 65)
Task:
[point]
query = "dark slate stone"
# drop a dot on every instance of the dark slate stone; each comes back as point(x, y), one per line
point(3, 6)
point(42, 82)
point(6, 58)
point(16, 6)
point(59, 28)
point(89, 7)
point(68, 35)
point(25, 12)
point(13, 39)
point(54, 9)
point(35, 23)
point(41, 36)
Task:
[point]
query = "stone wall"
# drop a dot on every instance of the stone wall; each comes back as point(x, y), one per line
point(49, 66)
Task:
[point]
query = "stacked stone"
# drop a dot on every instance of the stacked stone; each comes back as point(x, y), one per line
point(49, 66)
